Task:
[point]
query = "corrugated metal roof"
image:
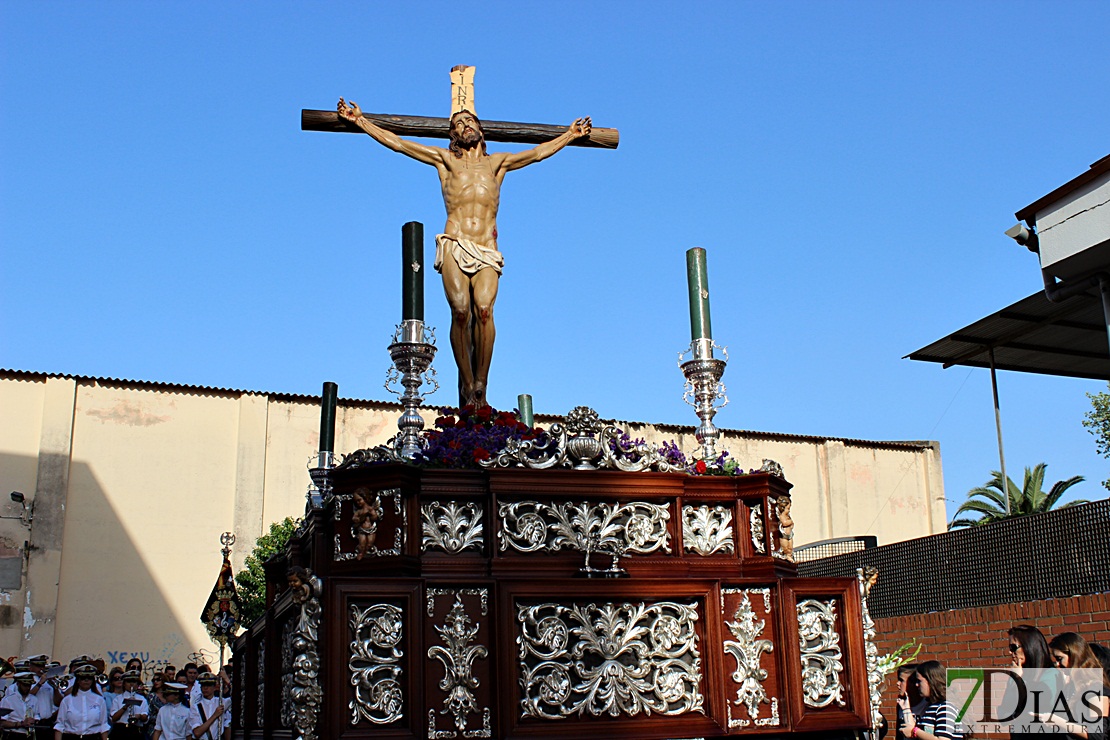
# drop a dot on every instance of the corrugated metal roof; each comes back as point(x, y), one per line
point(547, 418)
point(1033, 335)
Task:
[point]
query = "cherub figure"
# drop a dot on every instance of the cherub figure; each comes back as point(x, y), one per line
point(298, 580)
point(364, 520)
point(786, 527)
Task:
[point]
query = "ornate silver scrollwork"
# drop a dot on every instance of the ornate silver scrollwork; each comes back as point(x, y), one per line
point(820, 653)
point(288, 631)
point(531, 526)
point(609, 659)
point(755, 524)
point(451, 527)
point(747, 649)
point(457, 655)
point(399, 538)
point(481, 593)
point(306, 696)
point(707, 529)
point(867, 577)
point(260, 712)
point(375, 663)
point(584, 442)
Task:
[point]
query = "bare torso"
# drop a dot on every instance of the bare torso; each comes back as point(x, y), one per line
point(471, 195)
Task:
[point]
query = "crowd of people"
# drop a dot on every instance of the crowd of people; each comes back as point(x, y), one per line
point(45, 701)
point(924, 712)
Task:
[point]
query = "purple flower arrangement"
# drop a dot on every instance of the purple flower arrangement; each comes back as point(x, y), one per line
point(462, 438)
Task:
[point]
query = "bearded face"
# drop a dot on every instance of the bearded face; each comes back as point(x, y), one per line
point(466, 133)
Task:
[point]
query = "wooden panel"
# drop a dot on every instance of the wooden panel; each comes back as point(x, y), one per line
point(751, 642)
point(342, 595)
point(844, 595)
point(516, 594)
point(459, 660)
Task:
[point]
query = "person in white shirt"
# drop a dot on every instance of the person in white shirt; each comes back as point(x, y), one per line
point(209, 717)
point(82, 714)
point(173, 717)
point(129, 710)
point(45, 694)
point(24, 709)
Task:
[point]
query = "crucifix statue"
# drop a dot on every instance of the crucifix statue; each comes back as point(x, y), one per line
point(467, 254)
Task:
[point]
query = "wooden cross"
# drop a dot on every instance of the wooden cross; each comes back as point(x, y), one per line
point(438, 128)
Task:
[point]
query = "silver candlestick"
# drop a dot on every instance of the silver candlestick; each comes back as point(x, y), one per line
point(704, 390)
point(412, 350)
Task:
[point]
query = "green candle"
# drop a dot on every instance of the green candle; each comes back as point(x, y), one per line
point(697, 278)
point(524, 403)
point(327, 417)
point(412, 271)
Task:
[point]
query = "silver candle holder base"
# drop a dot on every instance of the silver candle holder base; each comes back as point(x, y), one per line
point(704, 391)
point(320, 466)
point(412, 351)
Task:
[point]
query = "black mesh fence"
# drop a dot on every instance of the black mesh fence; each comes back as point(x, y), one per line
point(1043, 556)
point(829, 548)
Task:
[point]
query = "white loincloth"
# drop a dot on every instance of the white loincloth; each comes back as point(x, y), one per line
point(469, 256)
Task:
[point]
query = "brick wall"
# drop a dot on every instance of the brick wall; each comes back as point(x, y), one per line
point(977, 636)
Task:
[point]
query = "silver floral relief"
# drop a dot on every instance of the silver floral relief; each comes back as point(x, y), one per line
point(707, 529)
point(755, 520)
point(481, 593)
point(399, 537)
point(305, 694)
point(608, 659)
point(260, 711)
point(457, 653)
point(451, 527)
point(375, 663)
point(820, 652)
point(531, 526)
point(288, 630)
point(747, 650)
point(867, 577)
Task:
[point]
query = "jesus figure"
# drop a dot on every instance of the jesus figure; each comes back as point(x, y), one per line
point(466, 251)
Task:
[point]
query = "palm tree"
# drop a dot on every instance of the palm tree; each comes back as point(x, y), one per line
point(988, 501)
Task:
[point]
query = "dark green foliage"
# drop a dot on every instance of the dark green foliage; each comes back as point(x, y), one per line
point(989, 503)
point(251, 581)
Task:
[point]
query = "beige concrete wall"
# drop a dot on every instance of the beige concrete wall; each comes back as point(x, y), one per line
point(135, 482)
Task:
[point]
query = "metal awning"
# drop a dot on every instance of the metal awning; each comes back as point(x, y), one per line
point(1033, 335)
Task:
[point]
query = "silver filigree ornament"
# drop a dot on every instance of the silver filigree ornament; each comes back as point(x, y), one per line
point(608, 659)
point(260, 713)
point(633, 527)
point(583, 442)
point(704, 391)
point(867, 577)
point(399, 533)
point(306, 695)
point(707, 529)
point(747, 650)
point(451, 526)
point(755, 523)
point(820, 653)
point(457, 654)
point(375, 663)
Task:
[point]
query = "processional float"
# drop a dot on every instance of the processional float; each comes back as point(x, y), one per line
point(573, 583)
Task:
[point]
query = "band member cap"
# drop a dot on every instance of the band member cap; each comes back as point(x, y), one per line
point(85, 671)
point(206, 678)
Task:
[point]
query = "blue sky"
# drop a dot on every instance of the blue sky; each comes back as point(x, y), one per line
point(850, 168)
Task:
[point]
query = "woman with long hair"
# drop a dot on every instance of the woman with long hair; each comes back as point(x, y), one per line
point(157, 698)
point(938, 719)
point(1029, 654)
point(1070, 650)
point(82, 714)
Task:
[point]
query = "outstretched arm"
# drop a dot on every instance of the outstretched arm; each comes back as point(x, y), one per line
point(515, 161)
point(421, 153)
